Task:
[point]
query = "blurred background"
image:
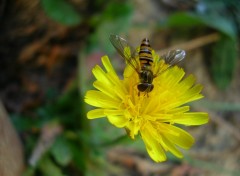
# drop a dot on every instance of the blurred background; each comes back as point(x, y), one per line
point(47, 51)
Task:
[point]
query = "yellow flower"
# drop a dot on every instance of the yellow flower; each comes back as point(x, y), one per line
point(153, 115)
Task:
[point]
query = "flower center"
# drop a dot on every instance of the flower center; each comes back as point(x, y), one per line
point(134, 107)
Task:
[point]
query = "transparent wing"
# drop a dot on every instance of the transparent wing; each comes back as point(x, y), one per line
point(171, 58)
point(122, 46)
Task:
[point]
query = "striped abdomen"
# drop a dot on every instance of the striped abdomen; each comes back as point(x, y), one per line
point(145, 54)
point(146, 61)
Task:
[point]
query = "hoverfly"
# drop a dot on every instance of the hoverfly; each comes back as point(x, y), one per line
point(144, 66)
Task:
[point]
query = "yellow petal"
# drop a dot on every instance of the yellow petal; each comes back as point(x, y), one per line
point(175, 76)
point(118, 121)
point(107, 64)
point(186, 83)
point(192, 94)
point(99, 99)
point(133, 128)
point(178, 110)
point(96, 113)
point(128, 71)
point(182, 139)
point(153, 147)
point(100, 74)
point(171, 147)
point(164, 128)
point(117, 85)
point(191, 118)
point(106, 89)
point(151, 105)
point(113, 112)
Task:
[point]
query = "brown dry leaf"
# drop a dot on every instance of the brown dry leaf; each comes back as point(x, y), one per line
point(11, 151)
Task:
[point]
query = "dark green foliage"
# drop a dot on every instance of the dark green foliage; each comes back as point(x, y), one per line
point(49, 168)
point(223, 61)
point(61, 11)
point(61, 151)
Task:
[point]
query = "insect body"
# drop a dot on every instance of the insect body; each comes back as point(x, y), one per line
point(142, 61)
point(146, 60)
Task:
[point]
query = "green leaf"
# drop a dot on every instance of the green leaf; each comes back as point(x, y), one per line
point(183, 19)
point(117, 10)
point(217, 22)
point(48, 168)
point(61, 151)
point(223, 61)
point(29, 172)
point(61, 11)
point(79, 157)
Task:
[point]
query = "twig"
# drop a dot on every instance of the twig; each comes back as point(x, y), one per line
point(193, 44)
point(48, 134)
